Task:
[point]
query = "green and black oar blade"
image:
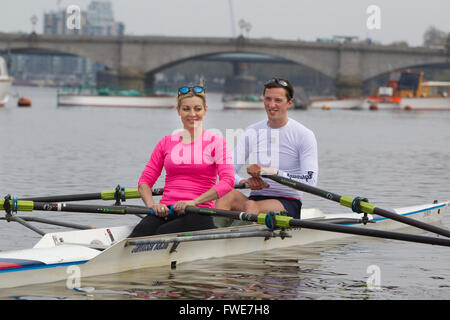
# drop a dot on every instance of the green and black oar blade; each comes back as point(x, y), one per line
point(288, 222)
point(364, 206)
point(27, 205)
point(104, 195)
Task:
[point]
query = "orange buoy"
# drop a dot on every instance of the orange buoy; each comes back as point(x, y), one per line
point(407, 108)
point(24, 102)
point(373, 107)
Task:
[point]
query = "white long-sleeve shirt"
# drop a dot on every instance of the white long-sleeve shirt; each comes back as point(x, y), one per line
point(291, 149)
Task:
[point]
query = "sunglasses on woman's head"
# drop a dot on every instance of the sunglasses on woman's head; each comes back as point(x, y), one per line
point(196, 89)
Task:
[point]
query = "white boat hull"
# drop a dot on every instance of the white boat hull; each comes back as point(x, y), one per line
point(350, 104)
point(241, 104)
point(418, 104)
point(117, 101)
point(5, 84)
point(374, 105)
point(438, 103)
point(56, 257)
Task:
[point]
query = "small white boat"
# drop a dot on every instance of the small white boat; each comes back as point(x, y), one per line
point(417, 104)
point(427, 103)
point(60, 256)
point(115, 98)
point(243, 102)
point(117, 101)
point(334, 103)
point(257, 103)
point(5, 82)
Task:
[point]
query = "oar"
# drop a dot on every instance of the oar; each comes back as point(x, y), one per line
point(287, 222)
point(358, 204)
point(13, 206)
point(26, 205)
point(119, 194)
point(276, 220)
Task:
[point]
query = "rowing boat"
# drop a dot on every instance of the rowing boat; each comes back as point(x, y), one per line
point(60, 256)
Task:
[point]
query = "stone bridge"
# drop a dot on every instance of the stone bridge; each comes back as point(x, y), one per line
point(134, 57)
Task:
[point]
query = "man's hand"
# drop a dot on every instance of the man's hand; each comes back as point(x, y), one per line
point(255, 183)
point(255, 170)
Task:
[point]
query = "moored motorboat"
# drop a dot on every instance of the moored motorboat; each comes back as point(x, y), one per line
point(120, 98)
point(335, 103)
point(5, 82)
point(117, 101)
point(406, 90)
point(255, 102)
point(249, 102)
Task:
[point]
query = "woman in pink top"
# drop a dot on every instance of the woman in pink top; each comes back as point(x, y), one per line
point(192, 159)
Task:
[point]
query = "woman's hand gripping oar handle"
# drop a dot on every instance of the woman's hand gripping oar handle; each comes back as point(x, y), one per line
point(171, 211)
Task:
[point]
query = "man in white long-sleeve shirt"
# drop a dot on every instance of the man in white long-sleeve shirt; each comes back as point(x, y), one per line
point(280, 146)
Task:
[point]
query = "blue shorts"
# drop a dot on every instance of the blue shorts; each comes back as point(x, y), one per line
point(292, 206)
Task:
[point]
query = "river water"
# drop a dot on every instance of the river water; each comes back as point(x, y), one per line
point(394, 158)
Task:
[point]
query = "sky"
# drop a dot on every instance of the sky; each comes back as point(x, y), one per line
point(398, 20)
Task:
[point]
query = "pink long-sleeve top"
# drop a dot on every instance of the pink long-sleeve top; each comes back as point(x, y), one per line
point(191, 169)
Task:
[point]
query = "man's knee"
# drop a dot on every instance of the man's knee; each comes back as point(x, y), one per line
point(223, 202)
point(264, 206)
point(251, 206)
point(229, 200)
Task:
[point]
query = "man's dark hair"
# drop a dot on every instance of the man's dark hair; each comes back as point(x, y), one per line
point(280, 83)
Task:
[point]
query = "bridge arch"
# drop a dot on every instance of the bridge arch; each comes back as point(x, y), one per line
point(227, 56)
point(301, 57)
point(228, 72)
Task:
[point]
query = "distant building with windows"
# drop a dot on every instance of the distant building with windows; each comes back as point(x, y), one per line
point(98, 19)
point(55, 23)
point(58, 70)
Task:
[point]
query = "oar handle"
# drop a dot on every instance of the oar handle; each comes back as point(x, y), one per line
point(171, 211)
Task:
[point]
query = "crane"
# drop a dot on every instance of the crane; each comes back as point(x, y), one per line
point(233, 27)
